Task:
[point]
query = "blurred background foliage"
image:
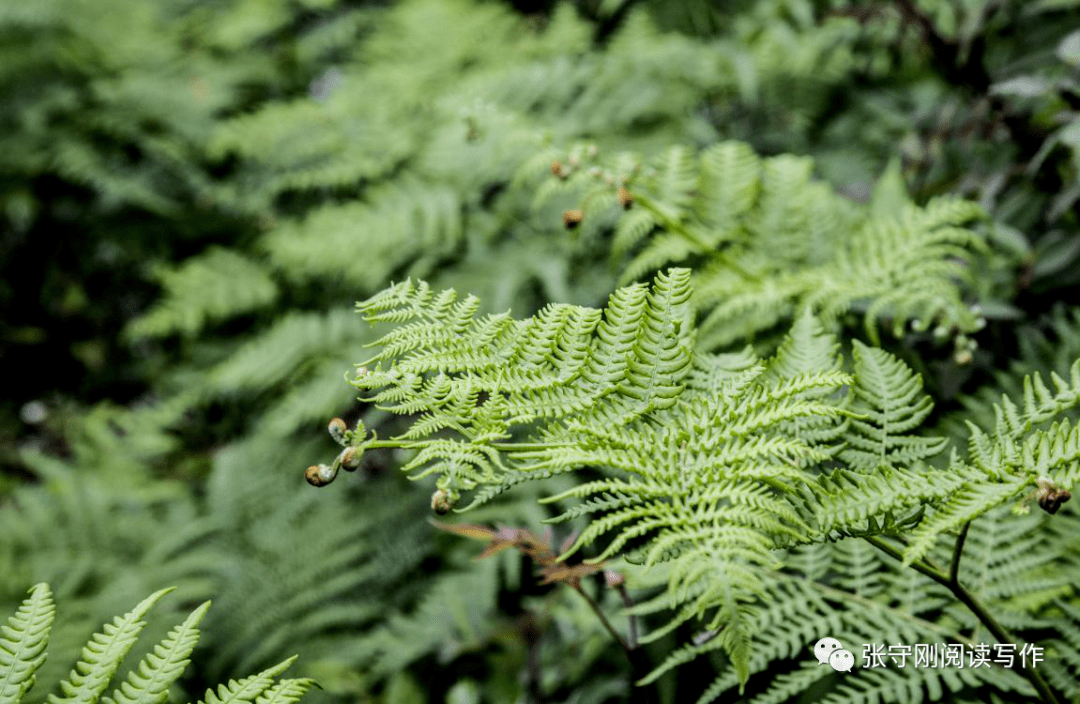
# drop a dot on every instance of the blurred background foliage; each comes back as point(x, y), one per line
point(194, 194)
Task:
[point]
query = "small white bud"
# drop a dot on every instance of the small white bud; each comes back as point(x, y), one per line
point(337, 430)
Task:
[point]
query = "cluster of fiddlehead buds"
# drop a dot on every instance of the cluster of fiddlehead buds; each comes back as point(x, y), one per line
point(1049, 496)
point(348, 459)
point(440, 502)
point(619, 181)
point(446, 496)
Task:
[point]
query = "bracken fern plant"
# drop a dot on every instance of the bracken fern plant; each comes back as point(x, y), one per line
point(750, 487)
point(265, 163)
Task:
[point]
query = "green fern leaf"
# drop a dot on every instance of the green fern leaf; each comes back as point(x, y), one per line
point(967, 503)
point(211, 287)
point(23, 641)
point(484, 378)
point(767, 240)
point(102, 655)
point(247, 690)
point(1017, 456)
point(149, 683)
point(890, 403)
point(286, 691)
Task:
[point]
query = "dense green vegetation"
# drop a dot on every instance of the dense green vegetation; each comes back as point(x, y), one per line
point(771, 307)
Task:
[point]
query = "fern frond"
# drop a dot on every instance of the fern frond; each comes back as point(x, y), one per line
point(482, 378)
point(768, 240)
point(405, 221)
point(975, 497)
point(1065, 669)
point(211, 287)
point(102, 655)
point(890, 403)
point(23, 641)
point(854, 502)
point(149, 683)
point(286, 691)
point(274, 354)
point(249, 689)
point(1017, 456)
point(729, 185)
point(1010, 562)
point(705, 486)
point(922, 684)
point(24, 638)
point(452, 614)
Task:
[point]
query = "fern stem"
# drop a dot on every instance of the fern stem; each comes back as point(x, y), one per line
point(954, 567)
point(969, 600)
point(676, 226)
point(639, 665)
point(952, 583)
point(919, 566)
point(503, 446)
point(631, 637)
point(603, 619)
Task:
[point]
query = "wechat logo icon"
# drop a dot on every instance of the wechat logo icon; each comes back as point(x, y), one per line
point(829, 651)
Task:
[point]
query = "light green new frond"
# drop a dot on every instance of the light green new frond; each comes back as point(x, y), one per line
point(890, 402)
point(149, 683)
point(974, 498)
point(286, 691)
point(858, 502)
point(704, 485)
point(102, 655)
point(211, 287)
point(482, 378)
point(23, 640)
point(247, 690)
point(1016, 457)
